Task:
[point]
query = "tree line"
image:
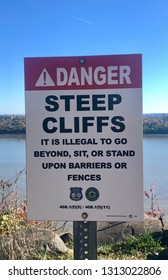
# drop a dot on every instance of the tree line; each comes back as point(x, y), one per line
point(152, 124)
point(155, 124)
point(12, 125)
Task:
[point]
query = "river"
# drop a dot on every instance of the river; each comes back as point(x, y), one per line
point(12, 161)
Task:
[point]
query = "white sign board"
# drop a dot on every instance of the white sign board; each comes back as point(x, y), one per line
point(84, 138)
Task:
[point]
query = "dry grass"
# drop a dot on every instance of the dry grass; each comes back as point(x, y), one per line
point(18, 240)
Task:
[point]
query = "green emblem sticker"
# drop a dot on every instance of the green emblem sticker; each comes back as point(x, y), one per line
point(92, 194)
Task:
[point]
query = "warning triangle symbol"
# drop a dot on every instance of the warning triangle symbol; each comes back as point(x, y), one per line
point(44, 80)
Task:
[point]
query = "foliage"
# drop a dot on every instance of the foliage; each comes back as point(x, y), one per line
point(155, 209)
point(155, 124)
point(134, 247)
point(12, 124)
point(144, 243)
point(14, 227)
point(152, 124)
point(105, 250)
point(13, 221)
point(12, 210)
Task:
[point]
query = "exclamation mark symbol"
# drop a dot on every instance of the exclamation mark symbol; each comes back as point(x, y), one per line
point(44, 77)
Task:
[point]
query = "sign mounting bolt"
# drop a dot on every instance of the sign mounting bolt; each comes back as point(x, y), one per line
point(82, 60)
point(84, 215)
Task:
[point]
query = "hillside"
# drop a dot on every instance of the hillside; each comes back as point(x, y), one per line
point(12, 124)
point(152, 124)
point(155, 124)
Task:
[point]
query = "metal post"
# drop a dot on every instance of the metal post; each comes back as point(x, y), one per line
point(85, 240)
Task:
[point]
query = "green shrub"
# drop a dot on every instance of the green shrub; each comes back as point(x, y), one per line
point(144, 243)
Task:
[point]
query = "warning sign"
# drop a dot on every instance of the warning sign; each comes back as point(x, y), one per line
point(84, 138)
point(44, 80)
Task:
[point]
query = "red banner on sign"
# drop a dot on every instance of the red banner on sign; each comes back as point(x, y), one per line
point(89, 72)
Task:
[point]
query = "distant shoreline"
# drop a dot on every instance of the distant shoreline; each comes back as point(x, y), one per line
point(155, 135)
point(12, 135)
point(24, 135)
point(153, 125)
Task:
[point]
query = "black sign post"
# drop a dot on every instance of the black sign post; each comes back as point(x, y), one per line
point(85, 240)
